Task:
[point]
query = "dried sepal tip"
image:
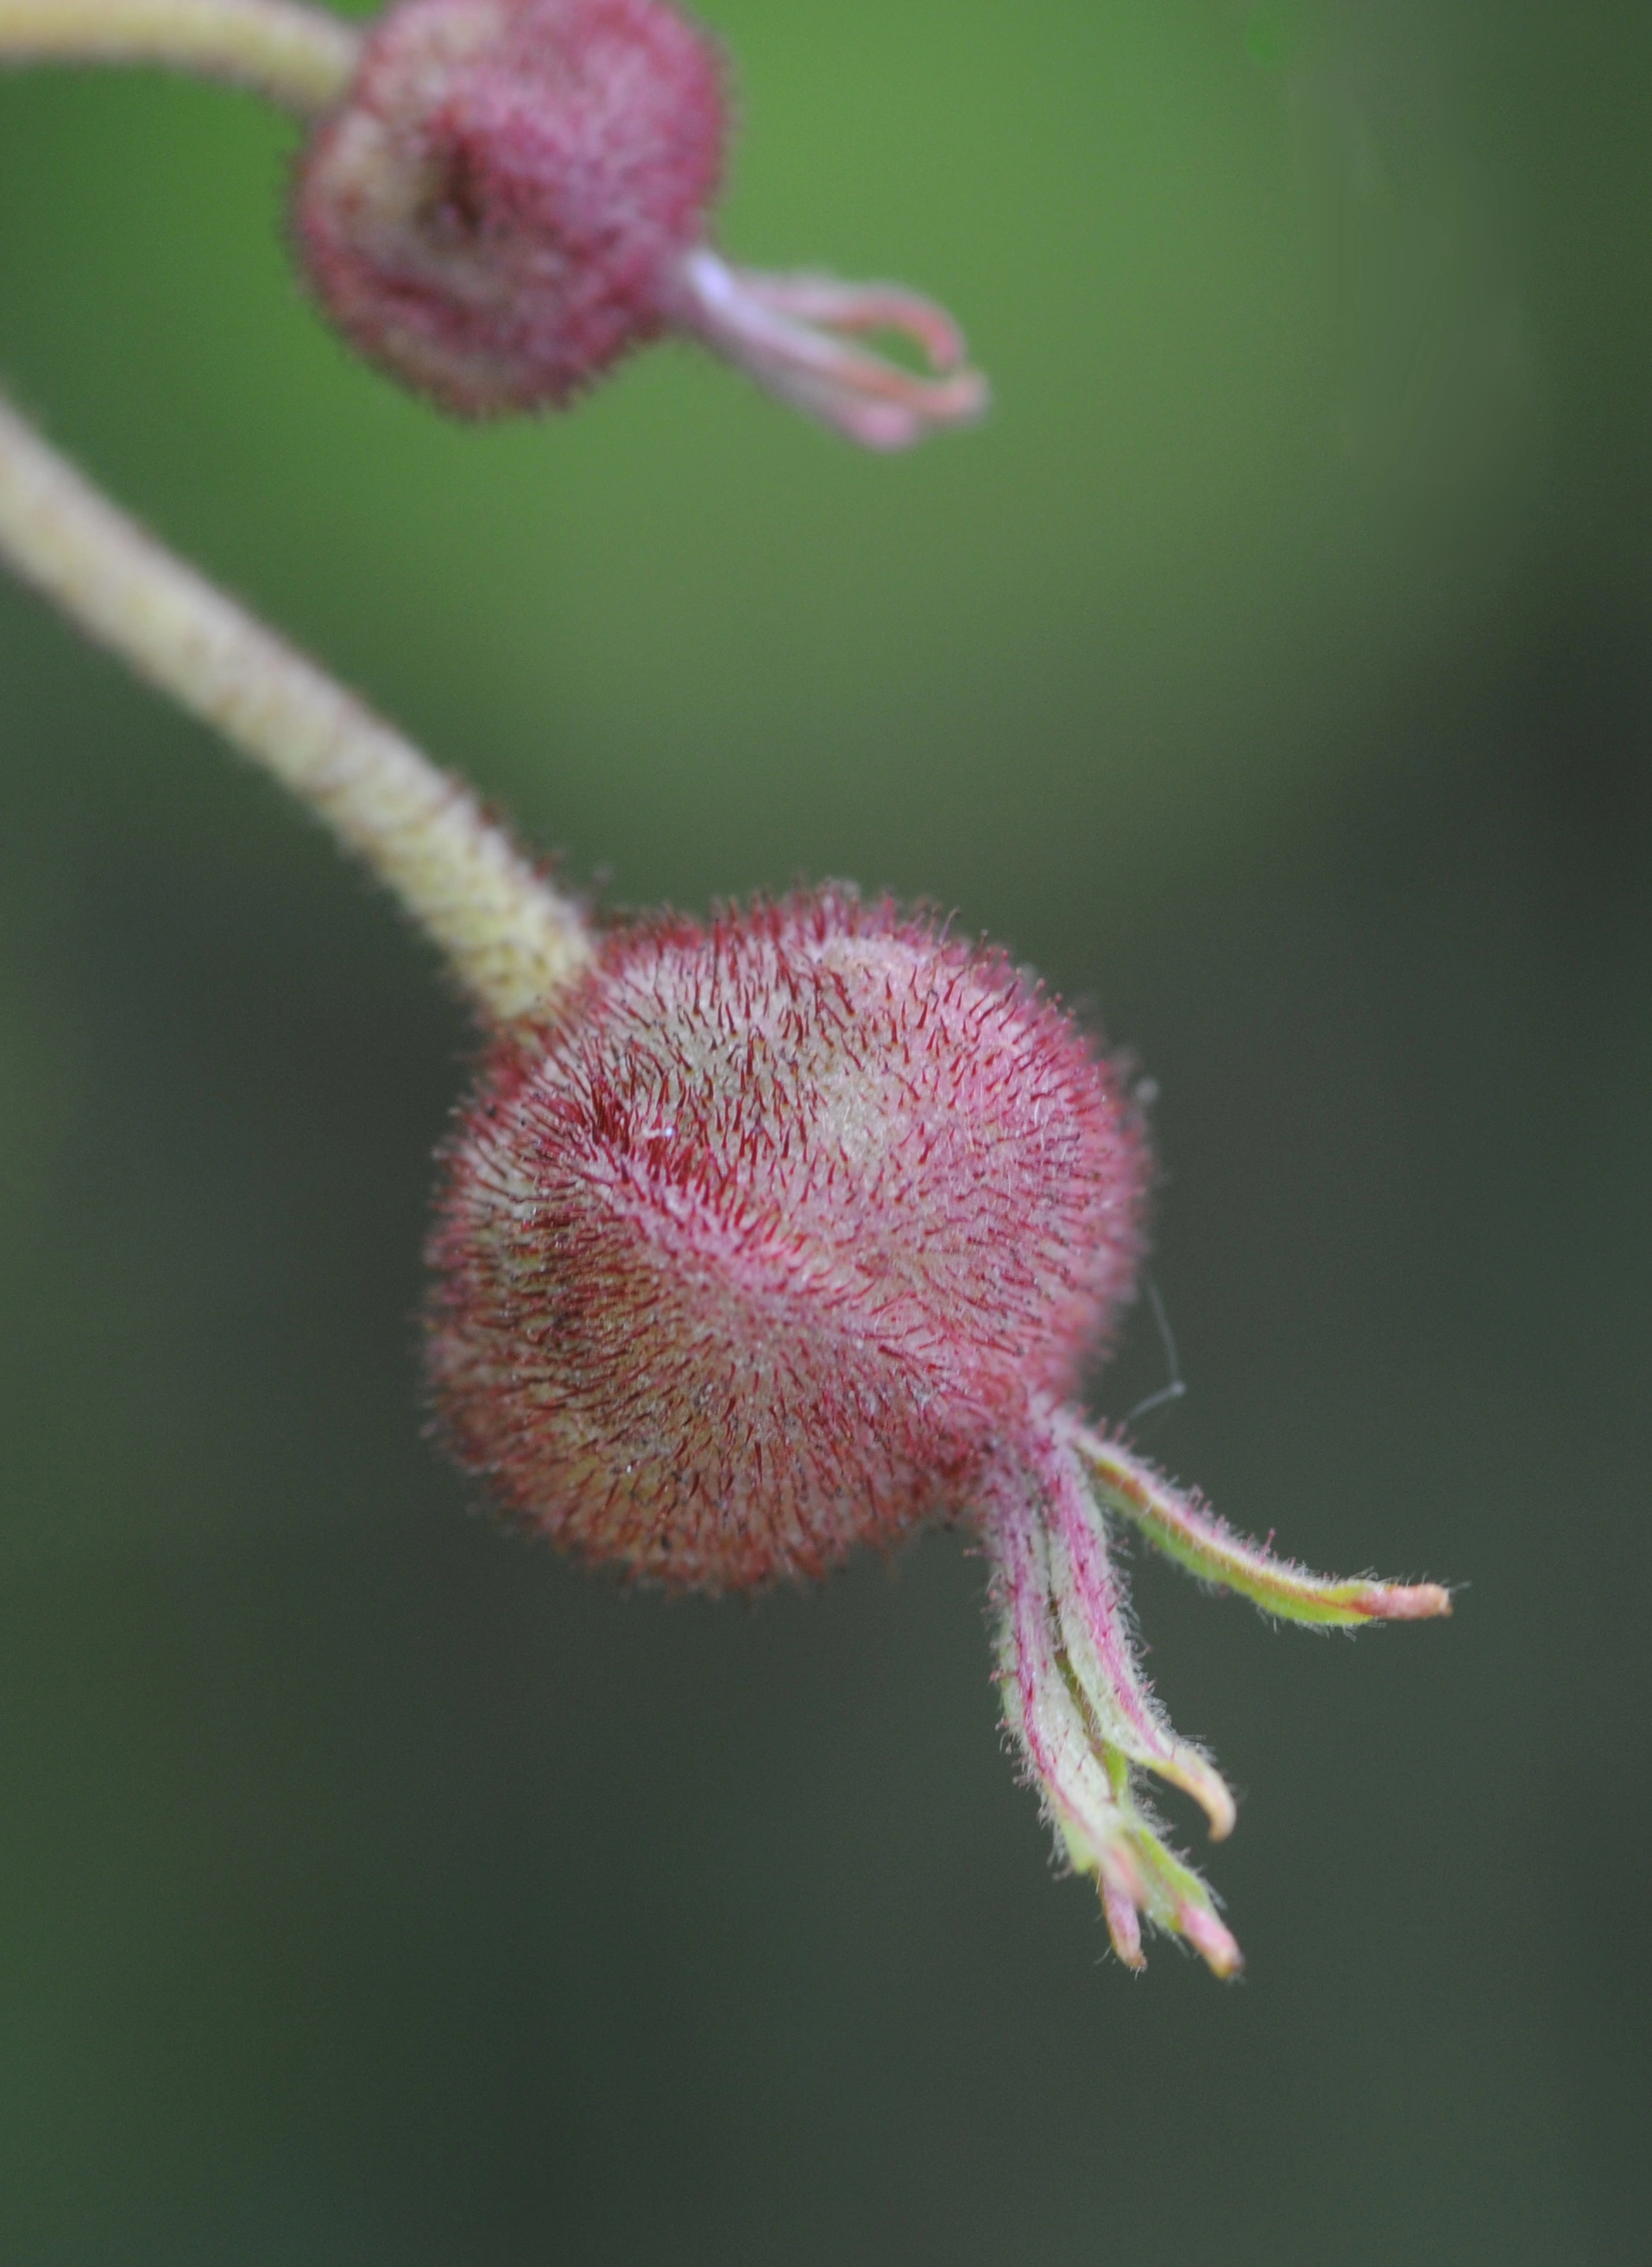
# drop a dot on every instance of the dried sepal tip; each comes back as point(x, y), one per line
point(794, 335)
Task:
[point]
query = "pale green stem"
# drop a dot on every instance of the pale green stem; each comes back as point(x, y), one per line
point(513, 941)
point(301, 58)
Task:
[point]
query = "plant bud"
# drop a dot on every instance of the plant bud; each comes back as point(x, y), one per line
point(493, 212)
point(514, 193)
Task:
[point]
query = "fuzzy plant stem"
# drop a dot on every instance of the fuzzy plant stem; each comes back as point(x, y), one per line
point(510, 939)
point(300, 58)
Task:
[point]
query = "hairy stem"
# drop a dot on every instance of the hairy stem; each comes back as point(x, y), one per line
point(301, 58)
point(511, 940)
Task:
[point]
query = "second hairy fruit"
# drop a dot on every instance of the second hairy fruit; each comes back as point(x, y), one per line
point(513, 193)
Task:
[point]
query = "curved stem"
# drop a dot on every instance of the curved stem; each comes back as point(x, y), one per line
point(513, 941)
point(301, 58)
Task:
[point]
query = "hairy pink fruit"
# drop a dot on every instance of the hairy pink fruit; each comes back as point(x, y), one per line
point(791, 1232)
point(514, 193)
point(761, 1247)
point(494, 212)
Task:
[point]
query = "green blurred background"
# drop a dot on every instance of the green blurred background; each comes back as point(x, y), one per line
point(1275, 670)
